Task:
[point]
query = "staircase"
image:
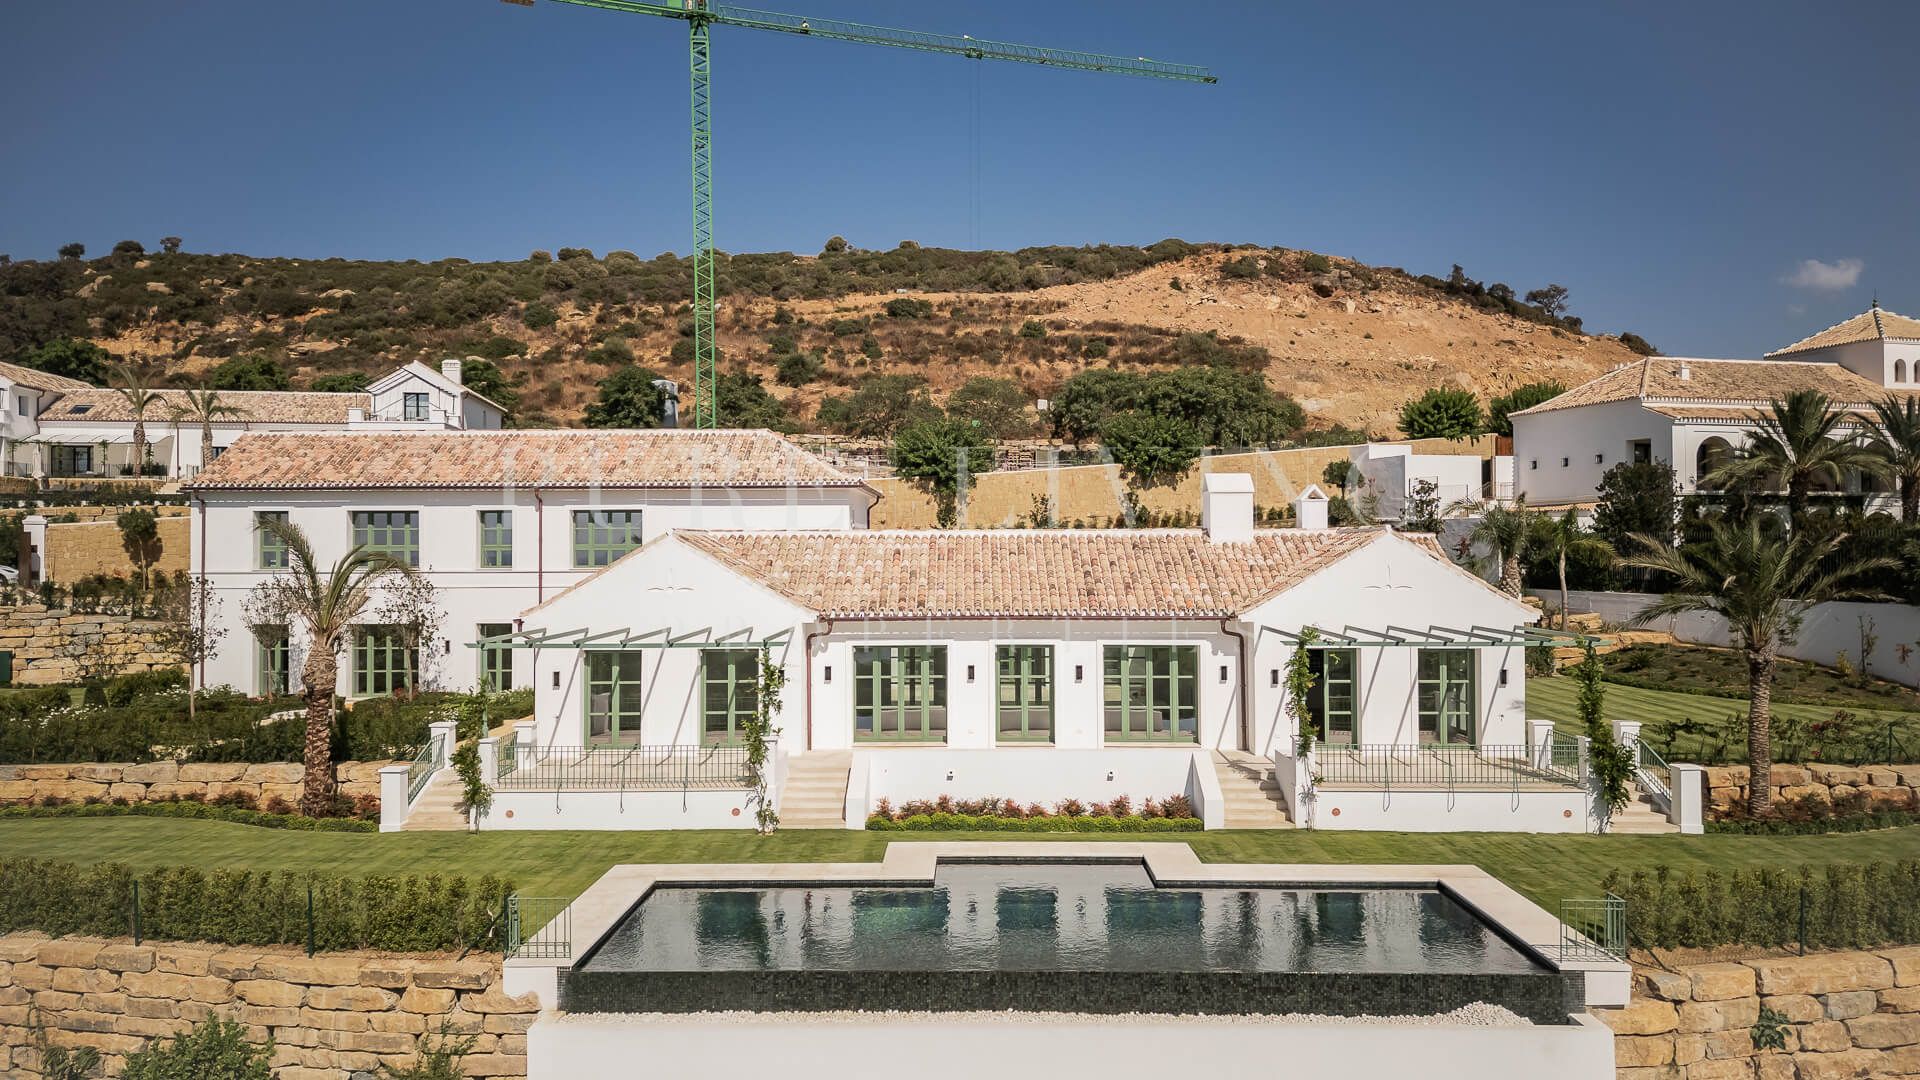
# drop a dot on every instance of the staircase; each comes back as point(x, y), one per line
point(1639, 818)
point(815, 794)
point(438, 808)
point(1252, 794)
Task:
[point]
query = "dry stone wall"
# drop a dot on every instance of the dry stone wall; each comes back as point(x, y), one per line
point(1885, 787)
point(47, 643)
point(80, 549)
point(1845, 1014)
point(163, 780)
point(336, 1016)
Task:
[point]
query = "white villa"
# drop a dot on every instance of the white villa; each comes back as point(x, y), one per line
point(1691, 413)
point(62, 428)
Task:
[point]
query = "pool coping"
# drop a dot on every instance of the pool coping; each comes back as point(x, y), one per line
point(1518, 919)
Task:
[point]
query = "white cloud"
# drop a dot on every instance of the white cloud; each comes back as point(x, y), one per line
point(1827, 276)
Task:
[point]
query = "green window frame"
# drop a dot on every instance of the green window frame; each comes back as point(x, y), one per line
point(615, 694)
point(269, 552)
point(1446, 696)
point(382, 663)
point(601, 536)
point(395, 532)
point(496, 539)
point(1332, 703)
point(1152, 693)
point(270, 656)
point(496, 661)
point(730, 692)
point(1023, 693)
point(900, 693)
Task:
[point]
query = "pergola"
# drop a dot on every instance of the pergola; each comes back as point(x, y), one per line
point(625, 637)
point(1433, 637)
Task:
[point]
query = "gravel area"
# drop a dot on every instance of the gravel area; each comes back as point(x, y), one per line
point(1479, 1014)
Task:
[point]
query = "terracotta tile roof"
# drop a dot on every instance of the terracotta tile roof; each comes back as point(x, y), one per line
point(93, 404)
point(1021, 573)
point(492, 459)
point(39, 380)
point(1656, 379)
point(1874, 324)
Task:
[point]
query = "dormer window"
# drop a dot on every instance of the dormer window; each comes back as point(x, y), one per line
point(413, 406)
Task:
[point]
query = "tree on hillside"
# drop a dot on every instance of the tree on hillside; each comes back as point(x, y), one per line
point(130, 247)
point(254, 372)
point(341, 382)
point(1797, 442)
point(628, 399)
point(1151, 448)
point(1088, 400)
point(942, 453)
point(743, 402)
point(1894, 438)
point(880, 407)
point(1223, 406)
point(835, 245)
point(71, 358)
point(204, 407)
point(997, 406)
point(73, 251)
point(139, 396)
point(170, 245)
point(1521, 397)
point(1762, 584)
point(325, 602)
point(1442, 413)
point(484, 377)
point(1552, 299)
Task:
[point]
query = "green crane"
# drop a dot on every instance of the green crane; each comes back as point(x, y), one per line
point(700, 16)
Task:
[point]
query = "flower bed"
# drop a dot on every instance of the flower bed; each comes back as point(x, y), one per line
point(947, 814)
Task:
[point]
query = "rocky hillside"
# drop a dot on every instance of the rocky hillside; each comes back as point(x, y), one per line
point(1350, 342)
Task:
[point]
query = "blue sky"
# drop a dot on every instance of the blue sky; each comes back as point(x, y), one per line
point(1675, 165)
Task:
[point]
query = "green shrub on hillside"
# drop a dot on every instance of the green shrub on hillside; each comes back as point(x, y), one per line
point(1442, 413)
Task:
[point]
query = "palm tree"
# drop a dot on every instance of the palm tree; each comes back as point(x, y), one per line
point(325, 602)
point(1562, 538)
point(1893, 436)
point(203, 407)
point(1798, 443)
point(1510, 531)
point(1762, 584)
point(140, 397)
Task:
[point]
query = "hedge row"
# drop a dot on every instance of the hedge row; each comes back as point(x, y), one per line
point(1817, 826)
point(196, 810)
point(1839, 906)
point(996, 823)
point(416, 913)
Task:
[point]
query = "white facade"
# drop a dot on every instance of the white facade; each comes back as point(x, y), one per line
point(417, 394)
point(1390, 474)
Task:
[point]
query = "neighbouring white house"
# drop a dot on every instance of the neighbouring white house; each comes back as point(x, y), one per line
point(1389, 480)
point(496, 521)
point(1037, 665)
point(63, 428)
point(1693, 413)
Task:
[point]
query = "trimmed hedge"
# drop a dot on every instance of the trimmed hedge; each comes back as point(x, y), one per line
point(417, 913)
point(996, 823)
point(1817, 826)
point(1841, 906)
point(185, 808)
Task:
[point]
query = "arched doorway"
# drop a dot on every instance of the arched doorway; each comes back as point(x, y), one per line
point(1714, 453)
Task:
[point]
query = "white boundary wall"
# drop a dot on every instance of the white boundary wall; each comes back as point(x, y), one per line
point(961, 1047)
point(1556, 811)
point(619, 810)
point(1829, 630)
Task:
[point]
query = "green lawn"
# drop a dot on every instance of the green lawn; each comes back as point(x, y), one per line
point(1546, 868)
point(1554, 698)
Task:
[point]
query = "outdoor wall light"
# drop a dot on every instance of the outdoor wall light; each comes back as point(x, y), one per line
point(1079, 673)
point(556, 679)
point(446, 646)
point(1273, 677)
point(1598, 458)
point(1503, 676)
point(949, 774)
point(1109, 775)
point(969, 672)
point(1223, 673)
point(826, 673)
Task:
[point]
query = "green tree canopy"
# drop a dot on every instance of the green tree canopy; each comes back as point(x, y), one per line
point(71, 357)
point(1222, 406)
point(485, 378)
point(251, 372)
point(938, 452)
point(881, 406)
point(1442, 413)
point(340, 382)
point(998, 406)
point(1151, 448)
point(743, 402)
point(1521, 397)
point(1637, 499)
point(628, 399)
point(1088, 400)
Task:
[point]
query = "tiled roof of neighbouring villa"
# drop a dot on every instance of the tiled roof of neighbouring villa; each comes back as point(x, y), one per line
point(1022, 573)
point(494, 459)
point(1733, 382)
point(96, 404)
point(1873, 324)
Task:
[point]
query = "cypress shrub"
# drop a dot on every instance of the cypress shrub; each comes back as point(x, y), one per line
point(1842, 906)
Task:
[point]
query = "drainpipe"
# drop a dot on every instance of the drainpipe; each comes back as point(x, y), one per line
point(806, 657)
point(1246, 730)
point(539, 548)
point(201, 501)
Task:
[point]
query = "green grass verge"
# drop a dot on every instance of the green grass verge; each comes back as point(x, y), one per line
point(1545, 868)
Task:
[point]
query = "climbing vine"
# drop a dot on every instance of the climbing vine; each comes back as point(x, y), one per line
point(470, 726)
point(758, 734)
point(1300, 683)
point(1612, 763)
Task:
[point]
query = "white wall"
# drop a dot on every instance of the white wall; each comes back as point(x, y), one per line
point(600, 810)
point(1579, 436)
point(1828, 630)
point(1556, 811)
point(1028, 775)
point(1389, 472)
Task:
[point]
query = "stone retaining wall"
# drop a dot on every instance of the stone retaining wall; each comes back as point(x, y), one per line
point(162, 780)
point(334, 1016)
point(1846, 1014)
point(80, 549)
point(1886, 787)
point(45, 643)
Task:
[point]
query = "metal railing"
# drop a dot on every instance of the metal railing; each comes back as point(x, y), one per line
point(507, 758)
point(1437, 766)
point(421, 769)
point(1563, 753)
point(1654, 775)
point(539, 927)
point(628, 768)
point(1593, 929)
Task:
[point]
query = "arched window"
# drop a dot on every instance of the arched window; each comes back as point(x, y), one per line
point(1713, 453)
point(1899, 371)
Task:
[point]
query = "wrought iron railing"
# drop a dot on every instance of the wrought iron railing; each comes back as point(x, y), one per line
point(539, 927)
point(508, 758)
point(420, 771)
point(1593, 929)
point(628, 768)
point(1447, 766)
point(1654, 775)
point(1563, 753)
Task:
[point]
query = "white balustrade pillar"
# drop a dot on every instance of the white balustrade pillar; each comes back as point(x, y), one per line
point(490, 761)
point(393, 797)
point(1689, 799)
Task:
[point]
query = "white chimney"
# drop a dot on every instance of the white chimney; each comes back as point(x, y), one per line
point(1686, 371)
point(1226, 507)
point(356, 416)
point(450, 370)
point(1310, 508)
